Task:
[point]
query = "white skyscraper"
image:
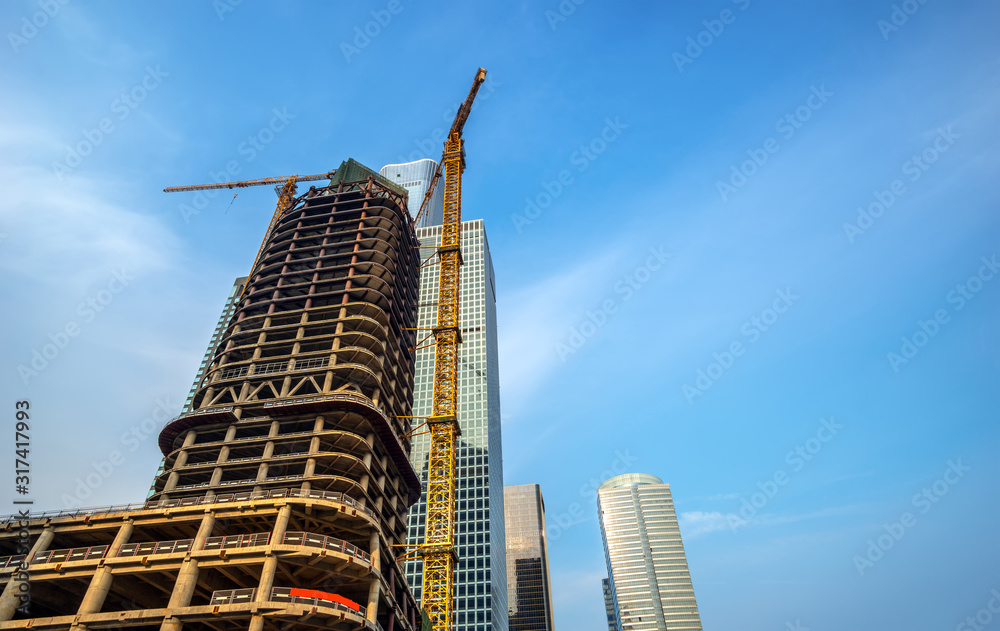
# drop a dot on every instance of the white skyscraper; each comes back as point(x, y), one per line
point(415, 177)
point(481, 573)
point(650, 583)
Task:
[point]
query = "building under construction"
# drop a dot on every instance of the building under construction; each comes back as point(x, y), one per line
point(287, 483)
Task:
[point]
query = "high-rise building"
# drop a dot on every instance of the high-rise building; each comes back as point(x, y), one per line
point(480, 577)
point(415, 177)
point(529, 589)
point(609, 605)
point(228, 310)
point(650, 583)
point(288, 482)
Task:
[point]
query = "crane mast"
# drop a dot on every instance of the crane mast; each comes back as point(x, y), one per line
point(438, 548)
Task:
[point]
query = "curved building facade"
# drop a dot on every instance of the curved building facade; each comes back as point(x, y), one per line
point(287, 483)
point(650, 584)
point(416, 177)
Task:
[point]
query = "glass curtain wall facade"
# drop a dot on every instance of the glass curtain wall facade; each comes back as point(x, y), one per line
point(480, 577)
point(228, 310)
point(227, 314)
point(415, 177)
point(650, 583)
point(529, 590)
point(609, 605)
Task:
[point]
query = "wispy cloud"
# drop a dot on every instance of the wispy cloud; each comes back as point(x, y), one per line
point(696, 523)
point(533, 319)
point(70, 234)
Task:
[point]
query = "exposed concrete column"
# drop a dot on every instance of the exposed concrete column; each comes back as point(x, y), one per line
point(375, 550)
point(367, 461)
point(275, 426)
point(93, 600)
point(268, 449)
point(187, 577)
point(271, 562)
point(317, 428)
point(174, 474)
point(204, 530)
point(189, 438)
point(374, 589)
point(216, 476)
point(270, 566)
point(10, 599)
point(262, 472)
point(223, 455)
point(171, 482)
point(281, 524)
point(230, 433)
point(314, 446)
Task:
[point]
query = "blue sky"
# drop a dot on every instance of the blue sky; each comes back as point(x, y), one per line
point(656, 206)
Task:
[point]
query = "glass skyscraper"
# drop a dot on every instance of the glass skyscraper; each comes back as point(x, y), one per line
point(228, 310)
point(415, 177)
point(227, 314)
point(650, 583)
point(609, 604)
point(481, 573)
point(529, 590)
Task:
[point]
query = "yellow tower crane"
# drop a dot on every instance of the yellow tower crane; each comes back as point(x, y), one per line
point(438, 548)
point(285, 198)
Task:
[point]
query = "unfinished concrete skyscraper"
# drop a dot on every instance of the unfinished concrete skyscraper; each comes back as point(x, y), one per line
point(288, 481)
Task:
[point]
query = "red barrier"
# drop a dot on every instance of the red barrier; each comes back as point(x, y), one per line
point(312, 593)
